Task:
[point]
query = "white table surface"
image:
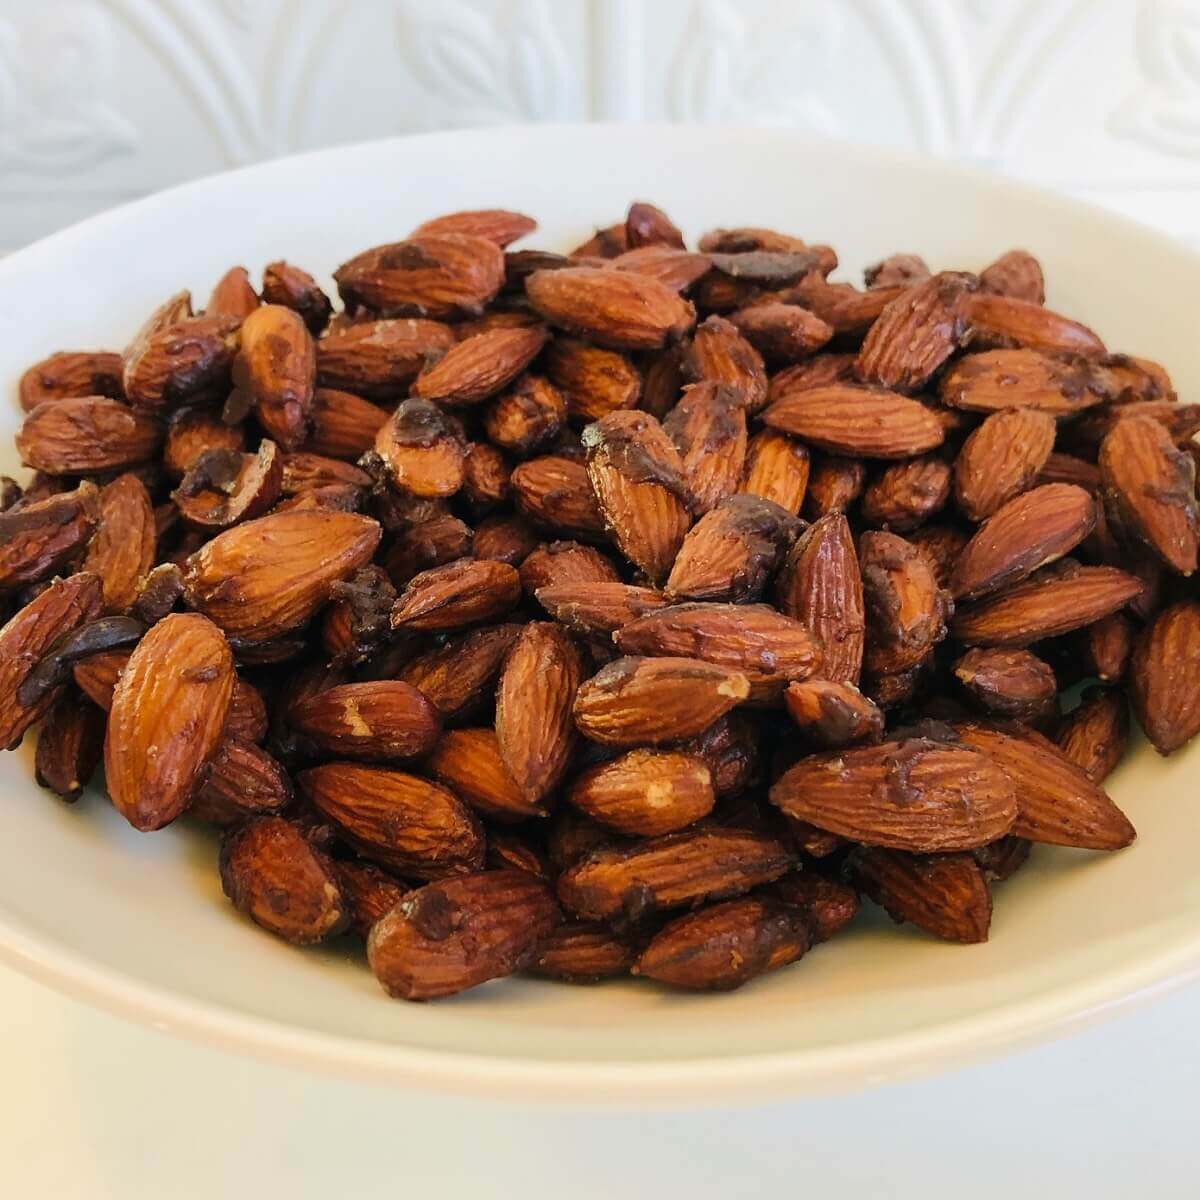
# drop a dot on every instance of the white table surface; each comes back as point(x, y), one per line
point(93, 1107)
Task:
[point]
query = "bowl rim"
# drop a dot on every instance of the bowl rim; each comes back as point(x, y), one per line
point(687, 1081)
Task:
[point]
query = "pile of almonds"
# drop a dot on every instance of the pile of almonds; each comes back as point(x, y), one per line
point(634, 610)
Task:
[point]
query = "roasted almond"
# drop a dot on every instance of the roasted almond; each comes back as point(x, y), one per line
point(598, 608)
point(242, 781)
point(1094, 734)
point(493, 224)
point(233, 295)
point(192, 432)
point(404, 823)
point(782, 333)
point(69, 374)
point(656, 700)
point(168, 713)
point(343, 425)
point(376, 721)
point(70, 745)
point(527, 417)
point(941, 545)
point(592, 380)
point(1009, 683)
point(833, 714)
point(829, 906)
point(896, 270)
point(421, 451)
point(433, 543)
point(905, 494)
point(582, 952)
point(469, 763)
point(466, 592)
point(678, 269)
point(39, 537)
point(480, 366)
point(720, 353)
point(378, 359)
point(188, 359)
point(708, 427)
point(834, 484)
point(224, 487)
point(1009, 320)
point(916, 795)
point(1000, 379)
point(122, 551)
point(1016, 274)
point(88, 434)
point(556, 563)
point(295, 288)
point(618, 309)
point(370, 893)
point(777, 469)
point(646, 792)
point(906, 610)
point(453, 935)
point(555, 492)
point(455, 675)
point(1164, 676)
point(1002, 458)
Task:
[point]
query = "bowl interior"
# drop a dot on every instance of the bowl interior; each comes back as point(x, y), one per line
point(139, 921)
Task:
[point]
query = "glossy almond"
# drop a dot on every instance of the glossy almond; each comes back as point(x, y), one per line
point(343, 425)
point(555, 492)
point(777, 469)
point(582, 952)
point(720, 353)
point(241, 781)
point(820, 586)
point(267, 577)
point(708, 427)
point(407, 824)
point(656, 700)
point(833, 714)
point(906, 494)
point(453, 935)
point(834, 484)
point(469, 763)
point(593, 381)
point(618, 309)
point(224, 487)
point(1095, 733)
point(1001, 379)
point(370, 893)
point(233, 295)
point(71, 373)
point(39, 537)
point(598, 607)
point(915, 795)
point(1009, 319)
point(1031, 530)
point(422, 452)
point(375, 721)
point(556, 563)
point(70, 745)
point(1001, 459)
point(846, 419)
point(378, 359)
point(293, 287)
point(478, 367)
point(829, 905)
point(187, 359)
point(1009, 683)
point(168, 713)
point(906, 611)
point(645, 793)
point(534, 701)
point(88, 434)
point(122, 551)
point(460, 593)
point(1164, 676)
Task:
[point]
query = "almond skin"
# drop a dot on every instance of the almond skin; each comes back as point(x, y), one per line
point(782, 333)
point(1001, 379)
point(1063, 597)
point(554, 492)
point(266, 577)
point(777, 469)
point(439, 275)
point(455, 675)
point(637, 477)
point(821, 587)
point(598, 608)
point(469, 763)
point(71, 373)
point(670, 872)
point(724, 946)
point(916, 333)
point(378, 359)
point(88, 434)
point(1163, 677)
point(833, 714)
point(186, 359)
point(915, 795)
point(906, 610)
point(456, 934)
point(845, 419)
point(39, 537)
point(1094, 735)
point(834, 483)
point(534, 700)
point(720, 353)
point(1028, 532)
point(460, 593)
point(343, 425)
point(593, 381)
point(656, 700)
point(233, 295)
point(767, 647)
point(1008, 319)
point(404, 823)
point(617, 309)
point(1001, 459)
point(581, 952)
point(645, 793)
point(708, 427)
point(375, 721)
point(675, 268)
point(192, 431)
point(478, 367)
point(906, 494)
point(1150, 487)
point(61, 608)
point(122, 551)
point(944, 894)
point(1009, 683)
point(282, 882)
point(370, 893)
point(168, 713)
point(1056, 801)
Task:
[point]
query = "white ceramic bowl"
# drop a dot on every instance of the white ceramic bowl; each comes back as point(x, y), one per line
point(137, 923)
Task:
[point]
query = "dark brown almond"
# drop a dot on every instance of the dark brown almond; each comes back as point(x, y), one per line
point(527, 417)
point(844, 308)
point(708, 427)
point(1002, 858)
point(1063, 597)
point(441, 539)
point(1150, 488)
point(1000, 379)
point(821, 587)
point(645, 793)
point(1108, 646)
point(404, 823)
point(1016, 274)
point(905, 494)
point(1094, 734)
point(304, 471)
point(1084, 436)
point(168, 713)
point(478, 367)
point(534, 702)
point(188, 359)
point(731, 552)
point(846, 419)
point(493, 224)
point(1164, 676)
point(944, 894)
point(281, 881)
point(242, 781)
point(70, 745)
point(378, 359)
point(370, 893)
point(122, 551)
point(1008, 320)
point(375, 721)
point(896, 270)
point(676, 268)
point(505, 538)
point(637, 477)
point(915, 795)
point(1001, 459)
point(457, 934)
point(769, 648)
point(71, 373)
point(342, 424)
point(466, 592)
point(233, 295)
point(193, 431)
point(719, 353)
point(39, 537)
point(582, 952)
point(85, 435)
point(295, 288)
point(598, 608)
point(1031, 530)
point(439, 275)
point(421, 450)
point(830, 906)
point(941, 545)
point(556, 563)
point(555, 492)
point(1009, 683)
point(833, 714)
point(834, 484)
point(1056, 801)
point(906, 610)
point(656, 700)
point(59, 609)
point(724, 946)
point(916, 332)
point(777, 469)
point(468, 761)
point(486, 474)
point(455, 675)
point(646, 225)
point(224, 487)
point(782, 333)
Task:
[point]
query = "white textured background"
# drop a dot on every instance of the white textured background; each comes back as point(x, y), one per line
point(102, 100)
